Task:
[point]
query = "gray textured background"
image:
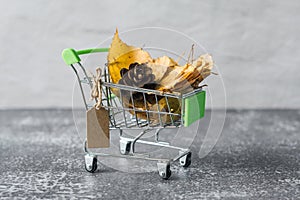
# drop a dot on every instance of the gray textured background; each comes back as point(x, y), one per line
point(255, 45)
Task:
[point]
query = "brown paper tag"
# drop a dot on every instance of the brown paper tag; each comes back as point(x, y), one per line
point(97, 128)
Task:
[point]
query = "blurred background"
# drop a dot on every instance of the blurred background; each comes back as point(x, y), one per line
point(255, 45)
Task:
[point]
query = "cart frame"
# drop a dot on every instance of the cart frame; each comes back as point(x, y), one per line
point(117, 108)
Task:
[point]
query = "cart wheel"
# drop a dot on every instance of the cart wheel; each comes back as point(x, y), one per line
point(125, 147)
point(186, 160)
point(164, 170)
point(90, 163)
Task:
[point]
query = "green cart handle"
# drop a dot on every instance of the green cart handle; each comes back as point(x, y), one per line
point(71, 56)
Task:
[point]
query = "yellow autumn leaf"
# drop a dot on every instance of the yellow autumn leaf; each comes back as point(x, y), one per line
point(122, 55)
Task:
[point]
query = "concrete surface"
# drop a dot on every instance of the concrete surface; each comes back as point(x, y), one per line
point(255, 45)
point(256, 157)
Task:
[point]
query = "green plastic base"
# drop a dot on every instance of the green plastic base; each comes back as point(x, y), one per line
point(194, 108)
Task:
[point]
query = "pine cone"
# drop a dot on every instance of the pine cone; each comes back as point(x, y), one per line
point(138, 75)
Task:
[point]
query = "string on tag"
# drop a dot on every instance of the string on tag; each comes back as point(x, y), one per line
point(97, 89)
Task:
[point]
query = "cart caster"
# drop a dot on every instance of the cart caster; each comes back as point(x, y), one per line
point(90, 163)
point(164, 170)
point(186, 160)
point(125, 147)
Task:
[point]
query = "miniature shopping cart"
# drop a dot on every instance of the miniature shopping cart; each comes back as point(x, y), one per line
point(119, 112)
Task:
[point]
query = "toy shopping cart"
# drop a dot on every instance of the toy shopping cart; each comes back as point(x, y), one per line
point(123, 117)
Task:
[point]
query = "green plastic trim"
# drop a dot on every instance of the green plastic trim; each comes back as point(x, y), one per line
point(113, 96)
point(194, 108)
point(96, 50)
point(70, 56)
